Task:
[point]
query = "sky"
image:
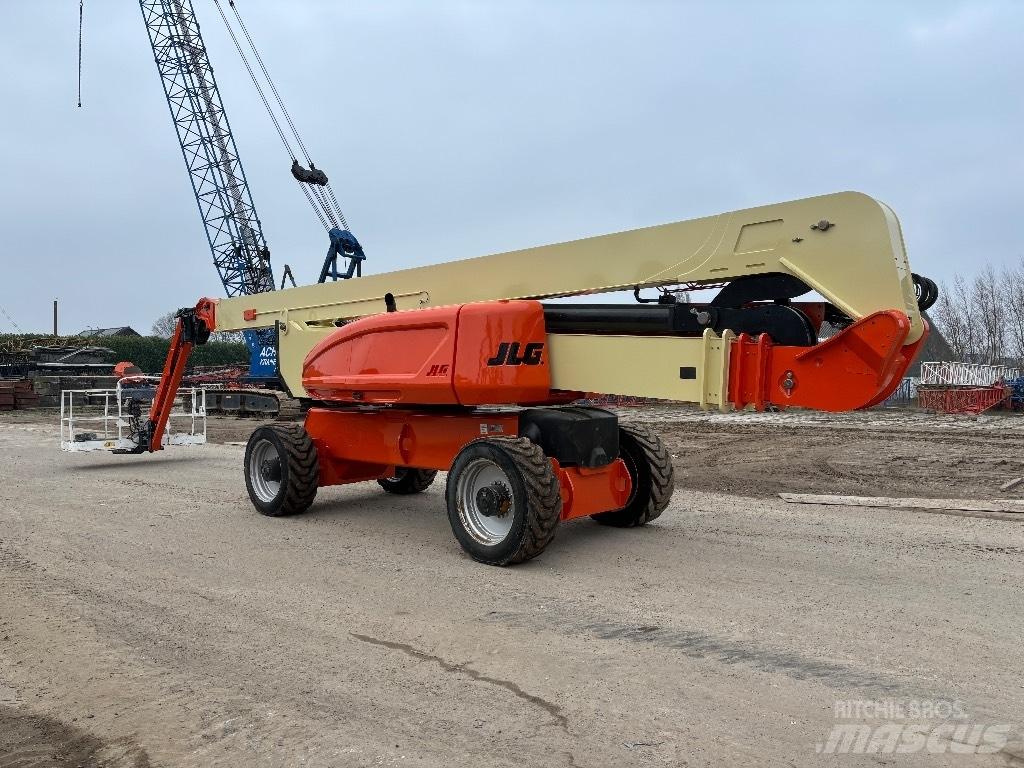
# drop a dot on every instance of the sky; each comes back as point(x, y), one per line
point(458, 129)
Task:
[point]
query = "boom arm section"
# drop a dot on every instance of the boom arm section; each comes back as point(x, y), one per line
point(846, 246)
point(194, 327)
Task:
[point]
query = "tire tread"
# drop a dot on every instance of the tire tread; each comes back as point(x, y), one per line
point(303, 468)
point(662, 480)
point(411, 481)
point(544, 497)
point(536, 489)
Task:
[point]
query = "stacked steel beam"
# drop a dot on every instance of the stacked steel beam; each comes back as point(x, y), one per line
point(17, 394)
point(950, 387)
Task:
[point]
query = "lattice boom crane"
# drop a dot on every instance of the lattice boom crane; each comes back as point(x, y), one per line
point(233, 230)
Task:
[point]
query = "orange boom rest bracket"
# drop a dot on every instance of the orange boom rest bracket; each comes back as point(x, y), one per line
point(858, 367)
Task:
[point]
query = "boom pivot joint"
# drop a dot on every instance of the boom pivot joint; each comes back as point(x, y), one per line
point(345, 244)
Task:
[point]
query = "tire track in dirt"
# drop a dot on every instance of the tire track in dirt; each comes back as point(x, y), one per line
point(30, 740)
point(33, 739)
point(698, 644)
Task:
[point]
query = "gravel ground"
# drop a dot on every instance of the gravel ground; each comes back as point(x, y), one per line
point(148, 617)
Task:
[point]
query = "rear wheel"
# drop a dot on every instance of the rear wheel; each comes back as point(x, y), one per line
point(650, 468)
point(504, 501)
point(281, 469)
point(407, 480)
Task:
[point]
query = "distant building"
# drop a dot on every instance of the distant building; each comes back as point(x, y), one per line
point(95, 333)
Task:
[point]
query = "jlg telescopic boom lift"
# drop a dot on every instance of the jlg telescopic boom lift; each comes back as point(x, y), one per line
point(463, 367)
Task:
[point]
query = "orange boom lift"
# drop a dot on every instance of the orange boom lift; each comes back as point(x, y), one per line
point(483, 389)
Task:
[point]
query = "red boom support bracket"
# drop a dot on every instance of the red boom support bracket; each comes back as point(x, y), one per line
point(858, 367)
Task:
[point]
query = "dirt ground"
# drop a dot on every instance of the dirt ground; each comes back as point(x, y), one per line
point(873, 453)
point(149, 617)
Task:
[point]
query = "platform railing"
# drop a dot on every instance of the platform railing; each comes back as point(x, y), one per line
point(953, 374)
point(110, 419)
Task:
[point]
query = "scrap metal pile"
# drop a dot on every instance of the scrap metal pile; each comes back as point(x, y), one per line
point(19, 355)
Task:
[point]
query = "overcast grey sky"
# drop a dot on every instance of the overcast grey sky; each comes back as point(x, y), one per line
point(456, 129)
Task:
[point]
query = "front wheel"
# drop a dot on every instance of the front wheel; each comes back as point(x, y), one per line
point(281, 469)
point(504, 501)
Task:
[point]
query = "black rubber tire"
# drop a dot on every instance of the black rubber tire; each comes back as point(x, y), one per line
point(927, 291)
point(933, 294)
point(407, 481)
point(650, 468)
point(300, 469)
point(536, 495)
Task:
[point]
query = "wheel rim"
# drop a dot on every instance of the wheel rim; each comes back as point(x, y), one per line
point(265, 481)
point(485, 501)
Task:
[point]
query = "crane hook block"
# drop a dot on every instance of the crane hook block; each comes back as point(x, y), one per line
point(312, 175)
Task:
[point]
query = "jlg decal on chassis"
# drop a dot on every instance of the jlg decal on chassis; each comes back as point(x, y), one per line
point(508, 354)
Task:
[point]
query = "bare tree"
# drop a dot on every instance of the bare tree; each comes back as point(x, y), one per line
point(1013, 300)
point(982, 319)
point(990, 315)
point(951, 323)
point(164, 325)
point(954, 314)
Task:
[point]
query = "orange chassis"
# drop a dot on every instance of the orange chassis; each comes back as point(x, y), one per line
point(354, 446)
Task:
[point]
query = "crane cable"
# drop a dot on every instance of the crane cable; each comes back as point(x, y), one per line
point(81, 9)
point(252, 75)
point(323, 201)
point(270, 82)
point(11, 320)
point(287, 116)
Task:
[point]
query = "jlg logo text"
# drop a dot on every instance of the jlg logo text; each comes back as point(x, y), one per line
point(508, 354)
